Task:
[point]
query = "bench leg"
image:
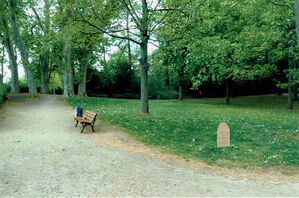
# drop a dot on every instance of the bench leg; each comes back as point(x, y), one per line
point(92, 126)
point(83, 127)
point(77, 123)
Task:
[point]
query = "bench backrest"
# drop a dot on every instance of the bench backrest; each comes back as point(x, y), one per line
point(89, 115)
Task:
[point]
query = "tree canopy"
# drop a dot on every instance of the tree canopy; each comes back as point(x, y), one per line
point(99, 47)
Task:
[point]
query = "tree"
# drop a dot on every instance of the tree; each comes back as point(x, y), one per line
point(145, 18)
point(44, 56)
point(84, 46)
point(19, 42)
point(66, 11)
point(56, 82)
point(79, 39)
point(174, 44)
point(232, 44)
point(83, 53)
point(2, 61)
point(7, 42)
point(292, 70)
point(213, 42)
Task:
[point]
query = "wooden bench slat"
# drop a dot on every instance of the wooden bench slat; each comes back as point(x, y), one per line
point(90, 112)
point(88, 118)
point(80, 119)
point(87, 114)
point(90, 115)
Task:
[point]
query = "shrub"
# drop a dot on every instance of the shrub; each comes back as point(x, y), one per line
point(169, 93)
point(3, 93)
point(158, 89)
point(97, 95)
point(23, 85)
point(126, 96)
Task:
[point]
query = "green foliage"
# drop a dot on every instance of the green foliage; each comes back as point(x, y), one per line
point(226, 41)
point(263, 132)
point(118, 78)
point(3, 93)
point(56, 82)
point(201, 43)
point(158, 89)
point(128, 95)
point(23, 84)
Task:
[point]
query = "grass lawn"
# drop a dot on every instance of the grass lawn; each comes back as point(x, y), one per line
point(263, 132)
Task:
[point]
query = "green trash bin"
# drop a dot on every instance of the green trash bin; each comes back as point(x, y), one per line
point(79, 111)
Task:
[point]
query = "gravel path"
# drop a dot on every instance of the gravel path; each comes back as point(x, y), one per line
point(42, 154)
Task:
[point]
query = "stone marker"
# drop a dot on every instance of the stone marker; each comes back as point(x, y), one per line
point(223, 135)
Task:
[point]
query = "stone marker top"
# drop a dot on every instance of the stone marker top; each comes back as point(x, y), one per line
point(223, 135)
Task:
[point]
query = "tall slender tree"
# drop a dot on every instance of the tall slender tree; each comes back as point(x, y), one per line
point(68, 84)
point(2, 60)
point(19, 42)
point(44, 25)
point(8, 44)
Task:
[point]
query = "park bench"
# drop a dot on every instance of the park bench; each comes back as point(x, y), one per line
point(88, 118)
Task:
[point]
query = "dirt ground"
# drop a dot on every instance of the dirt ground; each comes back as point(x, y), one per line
point(43, 154)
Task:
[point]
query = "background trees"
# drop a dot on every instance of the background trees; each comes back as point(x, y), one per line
point(195, 48)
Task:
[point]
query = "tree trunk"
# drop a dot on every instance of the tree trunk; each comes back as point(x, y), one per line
point(2, 67)
point(297, 31)
point(180, 92)
point(44, 69)
point(167, 79)
point(15, 87)
point(129, 43)
point(2, 72)
point(144, 59)
point(45, 79)
point(68, 71)
point(144, 77)
point(290, 87)
point(83, 72)
point(181, 72)
point(21, 46)
point(68, 85)
point(82, 87)
point(290, 97)
point(130, 54)
point(181, 86)
point(227, 98)
point(295, 93)
point(297, 20)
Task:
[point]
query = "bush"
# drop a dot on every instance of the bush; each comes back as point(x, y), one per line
point(97, 95)
point(3, 93)
point(158, 89)
point(23, 85)
point(169, 93)
point(118, 77)
point(126, 96)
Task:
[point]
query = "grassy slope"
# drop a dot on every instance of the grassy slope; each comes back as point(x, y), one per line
point(263, 132)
